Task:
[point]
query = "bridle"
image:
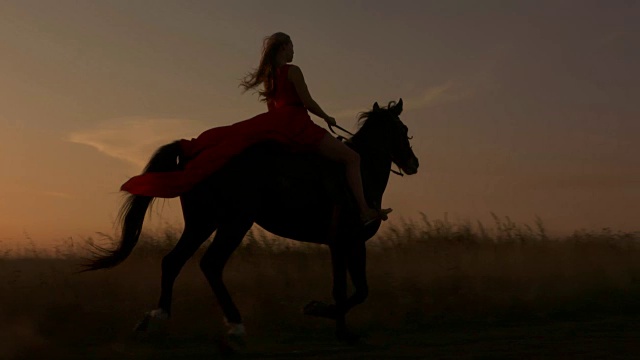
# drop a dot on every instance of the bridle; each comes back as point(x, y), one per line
point(342, 138)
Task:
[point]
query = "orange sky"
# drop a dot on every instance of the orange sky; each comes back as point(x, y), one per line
point(521, 109)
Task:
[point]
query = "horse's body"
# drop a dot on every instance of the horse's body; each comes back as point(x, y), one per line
point(300, 196)
point(271, 183)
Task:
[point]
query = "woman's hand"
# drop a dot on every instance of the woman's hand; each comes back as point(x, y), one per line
point(330, 121)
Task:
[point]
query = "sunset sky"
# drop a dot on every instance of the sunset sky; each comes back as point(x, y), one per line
point(521, 108)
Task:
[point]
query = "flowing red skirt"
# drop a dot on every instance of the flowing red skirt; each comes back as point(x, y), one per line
point(211, 150)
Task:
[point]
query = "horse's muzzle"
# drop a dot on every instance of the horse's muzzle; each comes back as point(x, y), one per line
point(411, 167)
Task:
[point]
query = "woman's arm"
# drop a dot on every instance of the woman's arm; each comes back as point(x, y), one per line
point(296, 77)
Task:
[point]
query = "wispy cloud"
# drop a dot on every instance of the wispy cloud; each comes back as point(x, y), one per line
point(431, 96)
point(57, 194)
point(135, 139)
point(435, 95)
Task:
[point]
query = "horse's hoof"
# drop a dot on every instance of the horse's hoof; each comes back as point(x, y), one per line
point(320, 309)
point(143, 325)
point(231, 344)
point(152, 320)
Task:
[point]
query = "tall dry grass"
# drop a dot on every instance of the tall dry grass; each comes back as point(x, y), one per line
point(421, 274)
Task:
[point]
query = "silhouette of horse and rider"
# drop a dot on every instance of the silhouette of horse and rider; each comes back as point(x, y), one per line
point(278, 170)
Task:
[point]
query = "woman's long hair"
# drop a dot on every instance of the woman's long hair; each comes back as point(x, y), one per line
point(265, 73)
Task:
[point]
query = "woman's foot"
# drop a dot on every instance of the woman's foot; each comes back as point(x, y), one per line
point(371, 215)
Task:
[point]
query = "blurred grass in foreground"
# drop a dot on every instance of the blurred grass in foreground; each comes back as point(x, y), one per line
point(421, 274)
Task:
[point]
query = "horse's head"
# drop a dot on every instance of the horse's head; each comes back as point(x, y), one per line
point(383, 126)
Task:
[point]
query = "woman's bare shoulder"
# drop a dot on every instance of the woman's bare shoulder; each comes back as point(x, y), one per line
point(294, 72)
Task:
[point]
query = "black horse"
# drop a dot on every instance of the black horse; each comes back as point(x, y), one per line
point(300, 196)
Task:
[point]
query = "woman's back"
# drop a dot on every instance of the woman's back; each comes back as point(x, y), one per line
point(285, 91)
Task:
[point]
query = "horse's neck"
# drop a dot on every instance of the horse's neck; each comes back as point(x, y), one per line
point(375, 165)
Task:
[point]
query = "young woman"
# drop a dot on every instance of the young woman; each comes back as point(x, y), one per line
point(287, 121)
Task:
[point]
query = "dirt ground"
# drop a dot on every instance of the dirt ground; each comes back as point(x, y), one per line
point(445, 300)
point(605, 338)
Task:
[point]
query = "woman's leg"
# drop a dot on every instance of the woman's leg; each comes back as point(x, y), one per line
point(335, 150)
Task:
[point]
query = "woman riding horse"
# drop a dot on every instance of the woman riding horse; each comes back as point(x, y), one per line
point(287, 121)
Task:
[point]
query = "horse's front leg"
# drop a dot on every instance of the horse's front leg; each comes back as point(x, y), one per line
point(339, 265)
point(340, 261)
point(357, 266)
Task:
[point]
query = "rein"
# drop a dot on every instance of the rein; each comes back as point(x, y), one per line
point(342, 138)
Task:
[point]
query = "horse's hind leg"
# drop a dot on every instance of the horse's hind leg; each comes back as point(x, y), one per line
point(194, 234)
point(227, 239)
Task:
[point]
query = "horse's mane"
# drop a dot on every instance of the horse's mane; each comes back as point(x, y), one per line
point(371, 116)
point(366, 115)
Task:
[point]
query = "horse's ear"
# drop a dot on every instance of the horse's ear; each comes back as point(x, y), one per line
point(376, 107)
point(398, 108)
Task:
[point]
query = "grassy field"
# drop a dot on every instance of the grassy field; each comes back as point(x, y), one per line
point(437, 290)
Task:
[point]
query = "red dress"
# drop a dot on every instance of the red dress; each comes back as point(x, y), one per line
point(287, 121)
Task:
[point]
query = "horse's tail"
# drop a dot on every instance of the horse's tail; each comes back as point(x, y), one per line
point(132, 212)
